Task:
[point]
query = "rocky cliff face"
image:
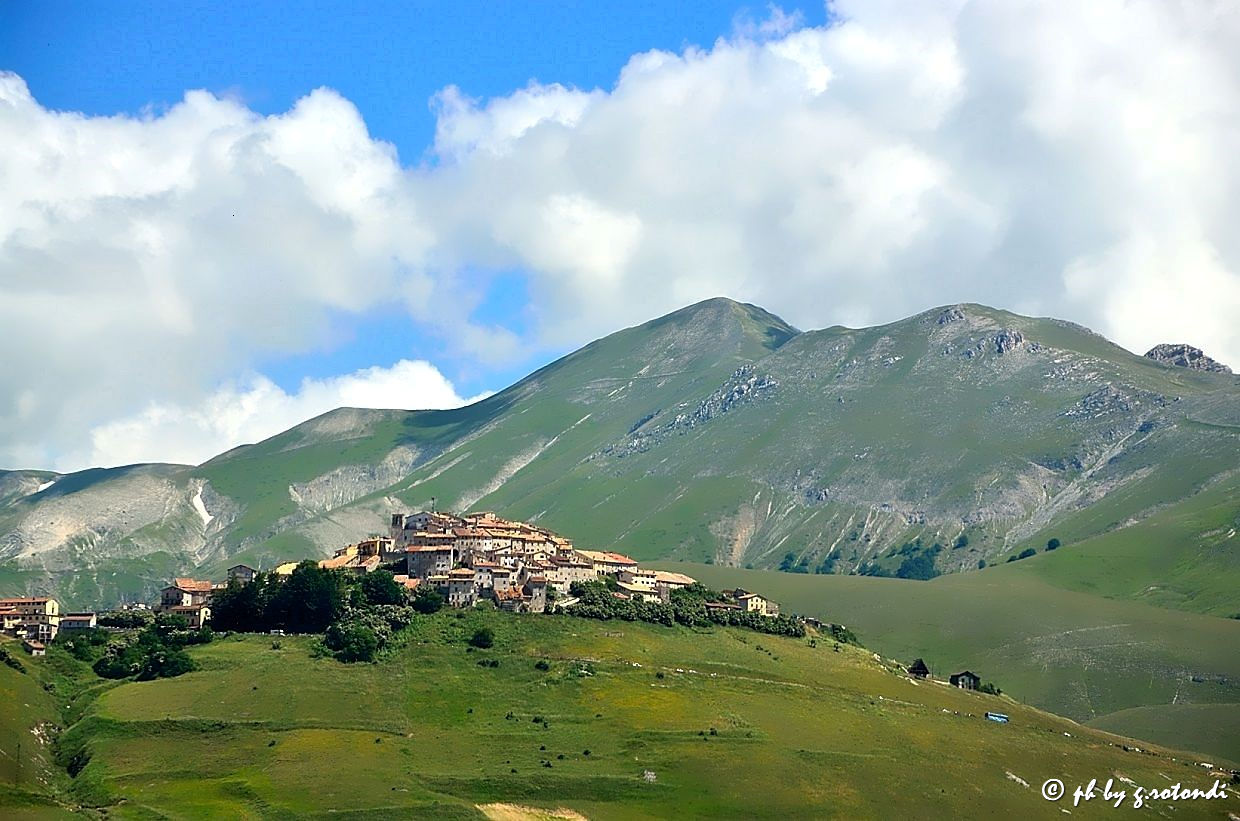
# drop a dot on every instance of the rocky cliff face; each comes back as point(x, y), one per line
point(1185, 356)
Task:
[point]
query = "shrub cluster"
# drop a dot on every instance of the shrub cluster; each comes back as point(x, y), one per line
point(919, 562)
point(84, 645)
point(157, 651)
point(842, 634)
point(362, 632)
point(7, 658)
point(126, 619)
point(687, 606)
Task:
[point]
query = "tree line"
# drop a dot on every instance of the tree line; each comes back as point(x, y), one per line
point(686, 606)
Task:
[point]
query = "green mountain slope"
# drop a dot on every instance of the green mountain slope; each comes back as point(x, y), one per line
point(728, 723)
point(719, 433)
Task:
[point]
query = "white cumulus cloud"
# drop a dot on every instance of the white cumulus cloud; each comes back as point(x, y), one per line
point(256, 408)
point(1076, 160)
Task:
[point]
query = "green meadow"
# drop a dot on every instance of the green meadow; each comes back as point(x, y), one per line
point(1164, 675)
point(727, 722)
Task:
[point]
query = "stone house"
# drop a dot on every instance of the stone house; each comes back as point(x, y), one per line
point(607, 563)
point(430, 560)
point(78, 621)
point(753, 603)
point(243, 573)
point(564, 570)
point(33, 609)
point(184, 592)
point(196, 614)
point(462, 592)
point(641, 577)
point(634, 591)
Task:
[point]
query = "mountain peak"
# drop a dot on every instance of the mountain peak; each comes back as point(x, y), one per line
point(723, 314)
point(1185, 356)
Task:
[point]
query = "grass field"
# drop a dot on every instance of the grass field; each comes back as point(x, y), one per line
point(731, 724)
point(1072, 653)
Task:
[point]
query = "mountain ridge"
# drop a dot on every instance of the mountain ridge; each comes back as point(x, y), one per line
point(717, 432)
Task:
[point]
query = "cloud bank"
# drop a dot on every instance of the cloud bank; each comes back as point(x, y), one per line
point(1072, 160)
point(255, 408)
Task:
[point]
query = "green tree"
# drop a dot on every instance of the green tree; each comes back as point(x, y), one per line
point(241, 607)
point(126, 618)
point(380, 587)
point(165, 661)
point(427, 601)
point(920, 566)
point(1053, 544)
point(352, 641)
point(168, 623)
point(483, 638)
point(310, 599)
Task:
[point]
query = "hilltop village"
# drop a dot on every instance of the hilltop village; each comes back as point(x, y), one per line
point(476, 557)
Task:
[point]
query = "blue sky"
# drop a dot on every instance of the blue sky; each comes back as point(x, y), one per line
point(206, 235)
point(389, 58)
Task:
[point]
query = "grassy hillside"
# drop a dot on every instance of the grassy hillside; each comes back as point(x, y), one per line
point(29, 779)
point(730, 723)
point(1183, 555)
point(1074, 654)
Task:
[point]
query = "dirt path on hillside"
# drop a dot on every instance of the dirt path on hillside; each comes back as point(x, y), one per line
point(516, 812)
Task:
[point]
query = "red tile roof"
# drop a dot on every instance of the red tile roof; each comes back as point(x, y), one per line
point(191, 585)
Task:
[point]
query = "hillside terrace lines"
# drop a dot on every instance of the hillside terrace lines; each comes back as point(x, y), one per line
point(514, 466)
point(509, 469)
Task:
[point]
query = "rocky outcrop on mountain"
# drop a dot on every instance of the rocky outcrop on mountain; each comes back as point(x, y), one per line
point(1112, 399)
point(745, 385)
point(1007, 340)
point(349, 482)
point(952, 314)
point(1185, 356)
point(1003, 341)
